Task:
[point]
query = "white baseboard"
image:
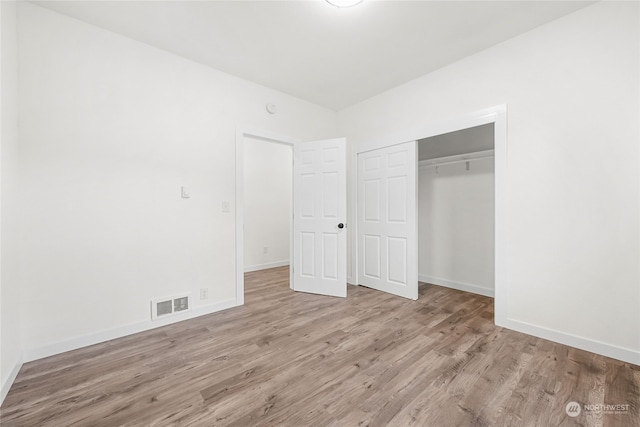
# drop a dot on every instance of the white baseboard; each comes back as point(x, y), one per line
point(6, 385)
point(257, 267)
point(122, 331)
point(604, 349)
point(456, 285)
point(608, 350)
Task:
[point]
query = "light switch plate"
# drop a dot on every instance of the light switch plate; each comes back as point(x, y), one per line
point(225, 207)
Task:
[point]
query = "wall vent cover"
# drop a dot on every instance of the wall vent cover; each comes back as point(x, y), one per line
point(181, 304)
point(163, 307)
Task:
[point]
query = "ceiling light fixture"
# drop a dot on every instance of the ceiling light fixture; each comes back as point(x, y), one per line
point(344, 3)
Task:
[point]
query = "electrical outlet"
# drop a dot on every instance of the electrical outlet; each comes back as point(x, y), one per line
point(204, 293)
point(265, 250)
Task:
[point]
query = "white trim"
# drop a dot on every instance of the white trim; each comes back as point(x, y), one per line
point(466, 287)
point(417, 133)
point(268, 265)
point(587, 344)
point(241, 133)
point(500, 163)
point(6, 385)
point(122, 331)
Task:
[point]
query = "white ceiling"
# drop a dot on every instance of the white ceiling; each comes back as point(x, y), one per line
point(309, 49)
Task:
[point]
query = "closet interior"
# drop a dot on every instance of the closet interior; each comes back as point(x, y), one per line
point(456, 212)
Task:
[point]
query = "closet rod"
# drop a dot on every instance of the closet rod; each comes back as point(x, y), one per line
point(451, 162)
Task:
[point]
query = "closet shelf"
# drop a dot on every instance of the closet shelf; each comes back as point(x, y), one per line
point(459, 158)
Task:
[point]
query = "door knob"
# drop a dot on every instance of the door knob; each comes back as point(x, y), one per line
point(341, 225)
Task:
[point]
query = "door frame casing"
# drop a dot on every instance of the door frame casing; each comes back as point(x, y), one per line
point(270, 137)
point(496, 115)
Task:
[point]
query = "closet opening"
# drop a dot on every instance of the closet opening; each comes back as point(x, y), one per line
point(456, 210)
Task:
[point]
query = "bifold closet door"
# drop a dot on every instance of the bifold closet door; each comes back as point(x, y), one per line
point(387, 220)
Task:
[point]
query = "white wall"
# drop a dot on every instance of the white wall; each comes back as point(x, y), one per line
point(267, 203)
point(456, 225)
point(572, 90)
point(10, 297)
point(110, 131)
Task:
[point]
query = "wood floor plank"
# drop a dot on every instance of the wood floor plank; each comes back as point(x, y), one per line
point(295, 359)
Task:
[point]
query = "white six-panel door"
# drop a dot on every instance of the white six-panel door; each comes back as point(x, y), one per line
point(387, 220)
point(319, 217)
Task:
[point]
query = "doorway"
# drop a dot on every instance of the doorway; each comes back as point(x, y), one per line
point(317, 214)
point(251, 136)
point(267, 204)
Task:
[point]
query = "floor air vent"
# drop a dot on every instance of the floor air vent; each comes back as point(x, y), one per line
point(167, 306)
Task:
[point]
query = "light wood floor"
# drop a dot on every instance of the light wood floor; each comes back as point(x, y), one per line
point(293, 359)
